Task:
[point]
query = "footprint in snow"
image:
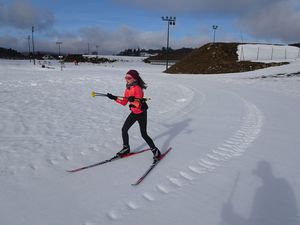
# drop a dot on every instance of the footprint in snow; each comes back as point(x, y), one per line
point(131, 205)
point(162, 189)
point(148, 197)
point(52, 161)
point(33, 166)
point(112, 215)
point(176, 182)
point(181, 100)
point(186, 176)
point(89, 223)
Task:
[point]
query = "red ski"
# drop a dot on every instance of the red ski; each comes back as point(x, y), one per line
point(108, 160)
point(154, 164)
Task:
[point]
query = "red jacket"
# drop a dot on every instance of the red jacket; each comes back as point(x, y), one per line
point(137, 92)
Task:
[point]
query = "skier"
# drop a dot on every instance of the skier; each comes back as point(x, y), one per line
point(138, 107)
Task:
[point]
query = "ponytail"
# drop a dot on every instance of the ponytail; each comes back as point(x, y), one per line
point(141, 83)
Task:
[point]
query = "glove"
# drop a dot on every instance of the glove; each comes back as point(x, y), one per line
point(144, 106)
point(112, 97)
point(131, 98)
point(131, 106)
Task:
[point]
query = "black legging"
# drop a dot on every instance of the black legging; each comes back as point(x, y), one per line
point(142, 120)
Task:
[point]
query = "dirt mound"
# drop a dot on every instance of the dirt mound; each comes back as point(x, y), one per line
point(215, 58)
point(177, 54)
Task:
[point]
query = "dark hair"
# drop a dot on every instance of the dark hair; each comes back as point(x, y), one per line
point(141, 83)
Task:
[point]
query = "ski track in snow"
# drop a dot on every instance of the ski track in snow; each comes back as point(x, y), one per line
point(46, 122)
point(289, 89)
point(235, 146)
point(35, 145)
point(27, 137)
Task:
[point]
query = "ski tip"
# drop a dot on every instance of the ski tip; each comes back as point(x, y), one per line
point(75, 170)
point(93, 94)
point(136, 183)
point(71, 171)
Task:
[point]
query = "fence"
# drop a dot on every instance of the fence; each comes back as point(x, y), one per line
point(268, 52)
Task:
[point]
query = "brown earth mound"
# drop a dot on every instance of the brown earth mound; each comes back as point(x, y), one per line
point(215, 58)
point(177, 54)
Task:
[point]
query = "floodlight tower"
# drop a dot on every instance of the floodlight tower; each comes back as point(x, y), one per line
point(58, 43)
point(171, 21)
point(29, 54)
point(97, 46)
point(33, 54)
point(215, 27)
point(60, 58)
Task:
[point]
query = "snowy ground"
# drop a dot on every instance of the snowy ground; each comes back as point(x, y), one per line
point(235, 140)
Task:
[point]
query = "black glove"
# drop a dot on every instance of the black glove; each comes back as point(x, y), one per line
point(131, 106)
point(144, 106)
point(131, 98)
point(112, 97)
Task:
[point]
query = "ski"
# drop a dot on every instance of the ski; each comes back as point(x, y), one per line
point(107, 161)
point(153, 165)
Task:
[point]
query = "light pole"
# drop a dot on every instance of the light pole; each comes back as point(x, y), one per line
point(215, 27)
point(97, 46)
point(171, 21)
point(29, 54)
point(59, 56)
point(33, 45)
point(58, 43)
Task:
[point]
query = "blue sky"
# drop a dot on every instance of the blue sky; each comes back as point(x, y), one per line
point(119, 24)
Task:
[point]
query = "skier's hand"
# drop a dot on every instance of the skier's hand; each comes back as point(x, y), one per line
point(131, 98)
point(112, 97)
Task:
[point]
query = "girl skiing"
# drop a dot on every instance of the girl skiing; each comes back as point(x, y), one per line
point(134, 95)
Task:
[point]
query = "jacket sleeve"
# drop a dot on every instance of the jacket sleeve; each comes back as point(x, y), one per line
point(123, 101)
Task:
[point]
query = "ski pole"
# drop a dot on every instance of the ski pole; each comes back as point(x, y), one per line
point(234, 188)
point(94, 94)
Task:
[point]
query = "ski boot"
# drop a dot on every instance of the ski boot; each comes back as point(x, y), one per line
point(156, 154)
point(124, 151)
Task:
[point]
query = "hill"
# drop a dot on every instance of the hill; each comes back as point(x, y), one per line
point(215, 58)
point(176, 54)
point(10, 54)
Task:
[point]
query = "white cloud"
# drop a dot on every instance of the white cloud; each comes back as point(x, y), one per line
point(201, 7)
point(278, 21)
point(108, 42)
point(263, 19)
point(21, 14)
point(123, 38)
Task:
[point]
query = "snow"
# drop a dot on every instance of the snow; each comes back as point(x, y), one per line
point(235, 139)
